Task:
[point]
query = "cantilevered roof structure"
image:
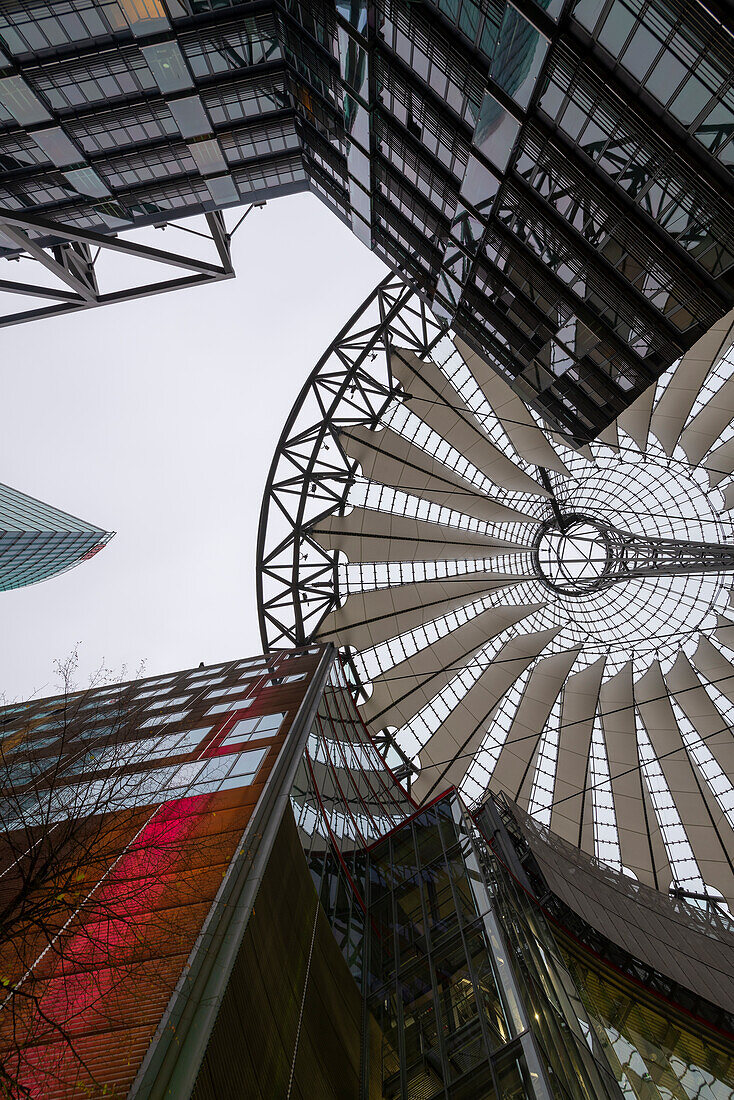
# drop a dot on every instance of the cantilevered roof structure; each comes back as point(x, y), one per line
point(518, 614)
point(553, 177)
point(37, 541)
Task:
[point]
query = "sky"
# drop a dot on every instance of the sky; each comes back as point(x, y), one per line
point(158, 419)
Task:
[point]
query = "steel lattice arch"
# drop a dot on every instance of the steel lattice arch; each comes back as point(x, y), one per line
point(520, 614)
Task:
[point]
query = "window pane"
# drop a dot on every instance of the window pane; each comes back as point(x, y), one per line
point(690, 101)
point(168, 66)
point(57, 147)
point(23, 104)
point(495, 132)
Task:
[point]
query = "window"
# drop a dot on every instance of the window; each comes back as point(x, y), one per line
point(190, 116)
point(219, 772)
point(207, 153)
point(168, 66)
point(17, 97)
point(166, 702)
point(95, 731)
point(57, 146)
point(69, 83)
point(245, 768)
point(230, 705)
point(251, 729)
point(35, 745)
point(161, 719)
point(238, 689)
point(518, 39)
point(186, 774)
point(175, 744)
point(87, 182)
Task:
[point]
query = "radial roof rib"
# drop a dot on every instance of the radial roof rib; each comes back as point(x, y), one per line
point(526, 437)
point(513, 773)
point(642, 848)
point(676, 402)
point(610, 436)
point(580, 701)
point(685, 687)
point(368, 618)
point(368, 535)
point(441, 407)
point(707, 425)
point(447, 755)
point(401, 691)
point(693, 699)
point(714, 666)
point(635, 420)
point(728, 498)
point(392, 460)
point(684, 782)
point(724, 632)
point(720, 462)
point(566, 441)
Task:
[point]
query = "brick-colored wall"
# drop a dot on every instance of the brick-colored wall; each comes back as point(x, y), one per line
point(82, 1021)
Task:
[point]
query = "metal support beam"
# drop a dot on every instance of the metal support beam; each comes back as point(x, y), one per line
point(577, 554)
point(73, 257)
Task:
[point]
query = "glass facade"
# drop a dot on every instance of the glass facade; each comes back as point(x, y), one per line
point(38, 541)
point(480, 981)
point(552, 175)
point(478, 991)
point(651, 1037)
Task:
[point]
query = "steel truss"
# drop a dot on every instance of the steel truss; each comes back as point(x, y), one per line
point(627, 555)
point(310, 476)
point(72, 256)
point(633, 555)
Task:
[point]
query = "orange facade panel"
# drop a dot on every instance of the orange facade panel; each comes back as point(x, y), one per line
point(103, 913)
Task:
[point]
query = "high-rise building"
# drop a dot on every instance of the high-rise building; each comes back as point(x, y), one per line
point(214, 884)
point(38, 541)
point(553, 177)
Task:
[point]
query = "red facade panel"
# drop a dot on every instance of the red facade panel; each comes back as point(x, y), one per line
point(94, 948)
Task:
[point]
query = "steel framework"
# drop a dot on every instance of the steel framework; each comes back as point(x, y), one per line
point(310, 475)
point(625, 555)
point(71, 256)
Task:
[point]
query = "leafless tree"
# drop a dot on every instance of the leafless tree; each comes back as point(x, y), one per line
point(84, 847)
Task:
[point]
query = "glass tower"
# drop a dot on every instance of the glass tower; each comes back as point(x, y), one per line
point(554, 177)
point(38, 541)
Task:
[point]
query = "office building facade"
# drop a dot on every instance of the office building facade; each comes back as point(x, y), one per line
point(554, 178)
point(38, 541)
point(247, 901)
point(130, 816)
point(520, 616)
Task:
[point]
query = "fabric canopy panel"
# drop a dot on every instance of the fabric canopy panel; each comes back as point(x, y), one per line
point(496, 636)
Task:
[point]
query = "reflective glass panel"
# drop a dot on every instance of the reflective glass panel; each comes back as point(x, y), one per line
point(167, 65)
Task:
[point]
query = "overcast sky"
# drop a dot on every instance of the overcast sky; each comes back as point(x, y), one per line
point(157, 419)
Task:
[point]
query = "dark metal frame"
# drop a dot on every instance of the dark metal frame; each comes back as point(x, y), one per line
point(310, 475)
point(71, 256)
point(630, 555)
